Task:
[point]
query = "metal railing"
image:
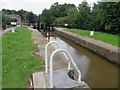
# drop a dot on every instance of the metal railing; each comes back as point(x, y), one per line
point(46, 56)
point(70, 59)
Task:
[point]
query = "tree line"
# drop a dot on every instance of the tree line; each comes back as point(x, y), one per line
point(103, 16)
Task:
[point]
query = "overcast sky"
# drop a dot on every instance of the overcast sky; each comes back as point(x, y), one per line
point(36, 6)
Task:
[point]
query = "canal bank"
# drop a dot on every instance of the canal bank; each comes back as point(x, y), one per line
point(105, 50)
point(96, 71)
point(41, 79)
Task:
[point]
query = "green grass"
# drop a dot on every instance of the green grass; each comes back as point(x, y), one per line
point(18, 63)
point(0, 62)
point(109, 38)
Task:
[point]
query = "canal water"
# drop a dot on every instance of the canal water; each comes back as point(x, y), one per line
point(96, 71)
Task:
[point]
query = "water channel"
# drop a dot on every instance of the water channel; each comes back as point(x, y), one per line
point(96, 71)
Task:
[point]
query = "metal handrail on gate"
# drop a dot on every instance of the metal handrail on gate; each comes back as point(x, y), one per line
point(46, 56)
point(70, 59)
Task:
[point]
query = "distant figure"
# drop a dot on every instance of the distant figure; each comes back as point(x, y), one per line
point(42, 25)
point(45, 26)
point(3, 27)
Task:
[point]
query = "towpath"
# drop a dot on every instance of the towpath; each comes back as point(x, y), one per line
point(41, 41)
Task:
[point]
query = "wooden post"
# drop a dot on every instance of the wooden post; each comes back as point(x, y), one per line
point(49, 26)
point(38, 26)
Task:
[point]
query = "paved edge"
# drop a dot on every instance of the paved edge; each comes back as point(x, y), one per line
point(41, 41)
point(38, 80)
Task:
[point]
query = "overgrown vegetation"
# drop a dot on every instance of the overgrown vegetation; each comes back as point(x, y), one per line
point(109, 38)
point(18, 63)
point(26, 17)
point(6, 20)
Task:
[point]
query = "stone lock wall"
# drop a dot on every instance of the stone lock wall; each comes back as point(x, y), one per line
point(111, 55)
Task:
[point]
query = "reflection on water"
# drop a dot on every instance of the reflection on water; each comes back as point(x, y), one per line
point(96, 71)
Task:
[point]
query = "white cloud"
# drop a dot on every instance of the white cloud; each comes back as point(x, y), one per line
point(35, 6)
point(8, 1)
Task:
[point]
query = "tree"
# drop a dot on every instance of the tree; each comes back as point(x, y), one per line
point(6, 20)
point(56, 11)
point(106, 17)
point(32, 18)
point(97, 18)
point(112, 18)
point(62, 20)
point(59, 10)
point(6, 11)
point(39, 18)
point(13, 20)
point(46, 16)
point(72, 14)
point(84, 16)
point(23, 14)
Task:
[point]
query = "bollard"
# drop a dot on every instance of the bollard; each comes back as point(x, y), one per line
point(13, 30)
point(91, 33)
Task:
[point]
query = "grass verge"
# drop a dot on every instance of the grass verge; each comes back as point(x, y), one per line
point(18, 63)
point(109, 38)
point(0, 62)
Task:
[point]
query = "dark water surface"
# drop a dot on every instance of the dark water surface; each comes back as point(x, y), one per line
point(96, 71)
